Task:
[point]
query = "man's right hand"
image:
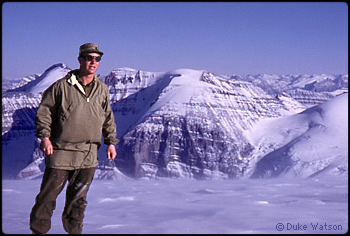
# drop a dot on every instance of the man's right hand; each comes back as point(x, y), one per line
point(46, 146)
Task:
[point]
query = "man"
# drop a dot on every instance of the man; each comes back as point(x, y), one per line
point(72, 115)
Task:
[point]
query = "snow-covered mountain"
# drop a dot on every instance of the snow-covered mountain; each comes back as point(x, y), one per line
point(194, 124)
point(10, 84)
point(307, 144)
point(309, 90)
point(39, 84)
point(190, 125)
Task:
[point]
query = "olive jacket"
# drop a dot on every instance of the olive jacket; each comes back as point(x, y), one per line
point(74, 122)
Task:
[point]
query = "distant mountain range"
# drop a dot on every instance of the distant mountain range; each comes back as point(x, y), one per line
point(195, 124)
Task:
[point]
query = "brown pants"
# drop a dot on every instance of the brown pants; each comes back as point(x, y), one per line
point(52, 184)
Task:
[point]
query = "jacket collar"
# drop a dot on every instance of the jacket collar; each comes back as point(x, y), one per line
point(73, 81)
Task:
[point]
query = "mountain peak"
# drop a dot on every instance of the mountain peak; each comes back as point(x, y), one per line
point(57, 66)
point(41, 83)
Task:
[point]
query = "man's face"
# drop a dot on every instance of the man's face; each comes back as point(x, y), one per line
point(89, 67)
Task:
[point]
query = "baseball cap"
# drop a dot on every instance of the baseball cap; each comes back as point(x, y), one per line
point(88, 48)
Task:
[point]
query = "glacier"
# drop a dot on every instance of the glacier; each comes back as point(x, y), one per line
point(194, 124)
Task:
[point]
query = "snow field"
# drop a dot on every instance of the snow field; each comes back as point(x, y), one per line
point(169, 206)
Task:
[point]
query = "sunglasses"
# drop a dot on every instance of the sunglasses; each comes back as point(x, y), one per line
point(90, 58)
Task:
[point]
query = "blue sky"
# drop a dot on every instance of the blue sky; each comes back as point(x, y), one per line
point(223, 38)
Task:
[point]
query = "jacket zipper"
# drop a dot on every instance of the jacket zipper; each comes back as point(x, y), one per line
point(74, 81)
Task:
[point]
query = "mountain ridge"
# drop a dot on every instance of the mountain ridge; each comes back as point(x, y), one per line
point(195, 121)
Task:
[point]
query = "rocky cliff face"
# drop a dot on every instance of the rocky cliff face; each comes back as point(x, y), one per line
point(18, 114)
point(18, 139)
point(182, 123)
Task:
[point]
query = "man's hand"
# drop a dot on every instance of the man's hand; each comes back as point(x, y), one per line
point(46, 146)
point(111, 152)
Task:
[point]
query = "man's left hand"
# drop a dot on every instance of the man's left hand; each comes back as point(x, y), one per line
point(111, 152)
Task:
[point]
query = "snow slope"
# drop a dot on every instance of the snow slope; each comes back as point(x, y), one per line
point(41, 83)
point(306, 144)
point(184, 85)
